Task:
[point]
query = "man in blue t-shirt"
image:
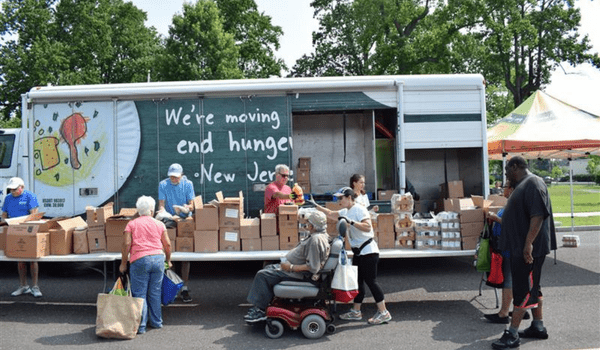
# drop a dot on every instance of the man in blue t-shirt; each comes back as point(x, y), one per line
point(20, 202)
point(176, 196)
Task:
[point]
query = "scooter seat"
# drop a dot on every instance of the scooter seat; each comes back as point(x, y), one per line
point(295, 290)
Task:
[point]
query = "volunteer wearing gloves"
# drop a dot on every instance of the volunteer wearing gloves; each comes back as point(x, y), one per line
point(277, 192)
point(176, 196)
point(145, 238)
point(366, 253)
point(20, 202)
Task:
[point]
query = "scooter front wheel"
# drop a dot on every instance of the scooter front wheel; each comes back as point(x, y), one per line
point(274, 329)
point(313, 326)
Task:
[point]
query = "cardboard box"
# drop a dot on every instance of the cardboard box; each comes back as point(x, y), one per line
point(386, 239)
point(268, 225)
point(115, 226)
point(97, 216)
point(114, 244)
point(469, 243)
point(304, 162)
point(471, 215)
point(480, 202)
point(302, 175)
point(61, 239)
point(184, 244)
point(80, 241)
point(406, 234)
point(207, 218)
point(172, 232)
point(250, 228)
point(206, 241)
point(229, 239)
point(198, 203)
point(288, 240)
point(497, 200)
point(452, 189)
point(457, 204)
point(251, 244)
point(25, 241)
point(96, 241)
point(305, 186)
point(231, 210)
point(3, 237)
point(471, 229)
point(332, 224)
point(385, 195)
point(270, 243)
point(385, 223)
point(405, 244)
point(186, 227)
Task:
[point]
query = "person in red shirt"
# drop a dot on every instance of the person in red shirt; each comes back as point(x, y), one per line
point(277, 192)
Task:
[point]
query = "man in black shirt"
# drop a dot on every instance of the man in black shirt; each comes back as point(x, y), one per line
point(528, 233)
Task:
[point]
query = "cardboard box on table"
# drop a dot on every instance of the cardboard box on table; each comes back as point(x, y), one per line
point(80, 240)
point(251, 244)
point(452, 189)
point(229, 239)
point(250, 228)
point(469, 243)
point(386, 239)
point(186, 227)
point(288, 238)
point(385, 222)
point(268, 225)
point(96, 241)
point(3, 237)
point(26, 241)
point(206, 241)
point(231, 210)
point(270, 242)
point(184, 244)
point(385, 195)
point(61, 238)
point(115, 227)
point(172, 232)
point(206, 217)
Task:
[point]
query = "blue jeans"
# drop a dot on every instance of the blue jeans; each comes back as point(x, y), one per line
point(146, 282)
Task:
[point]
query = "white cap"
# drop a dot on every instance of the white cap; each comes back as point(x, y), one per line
point(14, 183)
point(317, 219)
point(175, 170)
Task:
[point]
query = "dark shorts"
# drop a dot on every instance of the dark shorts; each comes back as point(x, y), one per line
point(526, 281)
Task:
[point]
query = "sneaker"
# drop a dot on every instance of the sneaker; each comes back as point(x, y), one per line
point(351, 315)
point(495, 318)
point(21, 290)
point(507, 341)
point(251, 311)
point(35, 290)
point(255, 315)
point(185, 296)
point(525, 317)
point(381, 317)
point(532, 332)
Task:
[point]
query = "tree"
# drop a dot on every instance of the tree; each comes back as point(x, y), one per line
point(255, 37)
point(593, 166)
point(525, 39)
point(71, 42)
point(198, 48)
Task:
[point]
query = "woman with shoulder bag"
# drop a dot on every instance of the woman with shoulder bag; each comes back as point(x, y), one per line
point(366, 254)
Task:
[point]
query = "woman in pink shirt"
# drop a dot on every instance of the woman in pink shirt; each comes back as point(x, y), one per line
point(145, 240)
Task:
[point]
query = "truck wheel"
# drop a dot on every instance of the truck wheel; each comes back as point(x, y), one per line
point(313, 326)
point(274, 329)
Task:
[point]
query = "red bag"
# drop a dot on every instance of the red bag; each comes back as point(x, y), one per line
point(496, 276)
point(344, 296)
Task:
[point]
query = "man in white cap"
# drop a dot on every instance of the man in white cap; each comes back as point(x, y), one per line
point(178, 191)
point(20, 202)
point(302, 262)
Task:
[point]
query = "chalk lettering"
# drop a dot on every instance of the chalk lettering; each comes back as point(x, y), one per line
point(184, 147)
point(272, 118)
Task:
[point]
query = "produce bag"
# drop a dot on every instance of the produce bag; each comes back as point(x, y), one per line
point(495, 277)
point(118, 316)
point(484, 256)
point(344, 285)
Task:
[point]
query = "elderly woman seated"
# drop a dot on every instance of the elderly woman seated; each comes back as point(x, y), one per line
point(300, 263)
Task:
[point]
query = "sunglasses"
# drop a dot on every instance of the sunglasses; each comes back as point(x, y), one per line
point(284, 175)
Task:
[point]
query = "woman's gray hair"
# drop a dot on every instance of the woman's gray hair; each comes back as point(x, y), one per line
point(280, 167)
point(145, 205)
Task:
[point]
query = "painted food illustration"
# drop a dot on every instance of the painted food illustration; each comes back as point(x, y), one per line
point(71, 130)
point(46, 150)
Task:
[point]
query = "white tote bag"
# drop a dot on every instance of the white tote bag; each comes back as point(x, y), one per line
point(344, 285)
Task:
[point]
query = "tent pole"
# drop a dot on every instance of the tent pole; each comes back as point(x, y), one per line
point(504, 168)
point(571, 181)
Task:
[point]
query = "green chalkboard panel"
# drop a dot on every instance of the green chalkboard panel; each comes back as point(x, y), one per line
point(224, 144)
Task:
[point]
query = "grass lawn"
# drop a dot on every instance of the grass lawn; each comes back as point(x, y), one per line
point(586, 198)
point(585, 221)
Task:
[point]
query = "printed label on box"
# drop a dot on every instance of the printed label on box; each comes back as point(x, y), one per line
point(232, 213)
point(231, 236)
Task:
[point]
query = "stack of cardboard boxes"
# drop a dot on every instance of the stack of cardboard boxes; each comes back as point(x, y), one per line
point(206, 233)
point(427, 234)
point(402, 207)
point(288, 226)
point(96, 223)
point(268, 231)
point(385, 233)
point(303, 174)
point(231, 213)
point(114, 228)
point(26, 238)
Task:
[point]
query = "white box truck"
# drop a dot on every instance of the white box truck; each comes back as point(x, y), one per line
point(92, 144)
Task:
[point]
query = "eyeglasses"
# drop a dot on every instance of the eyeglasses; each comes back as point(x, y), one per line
point(284, 175)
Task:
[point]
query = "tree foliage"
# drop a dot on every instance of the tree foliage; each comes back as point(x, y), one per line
point(255, 37)
point(198, 47)
point(71, 42)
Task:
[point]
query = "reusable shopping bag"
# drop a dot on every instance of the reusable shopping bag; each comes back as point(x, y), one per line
point(118, 316)
point(484, 256)
point(344, 285)
point(495, 277)
point(171, 285)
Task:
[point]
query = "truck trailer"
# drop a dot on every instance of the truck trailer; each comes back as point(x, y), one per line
point(88, 145)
